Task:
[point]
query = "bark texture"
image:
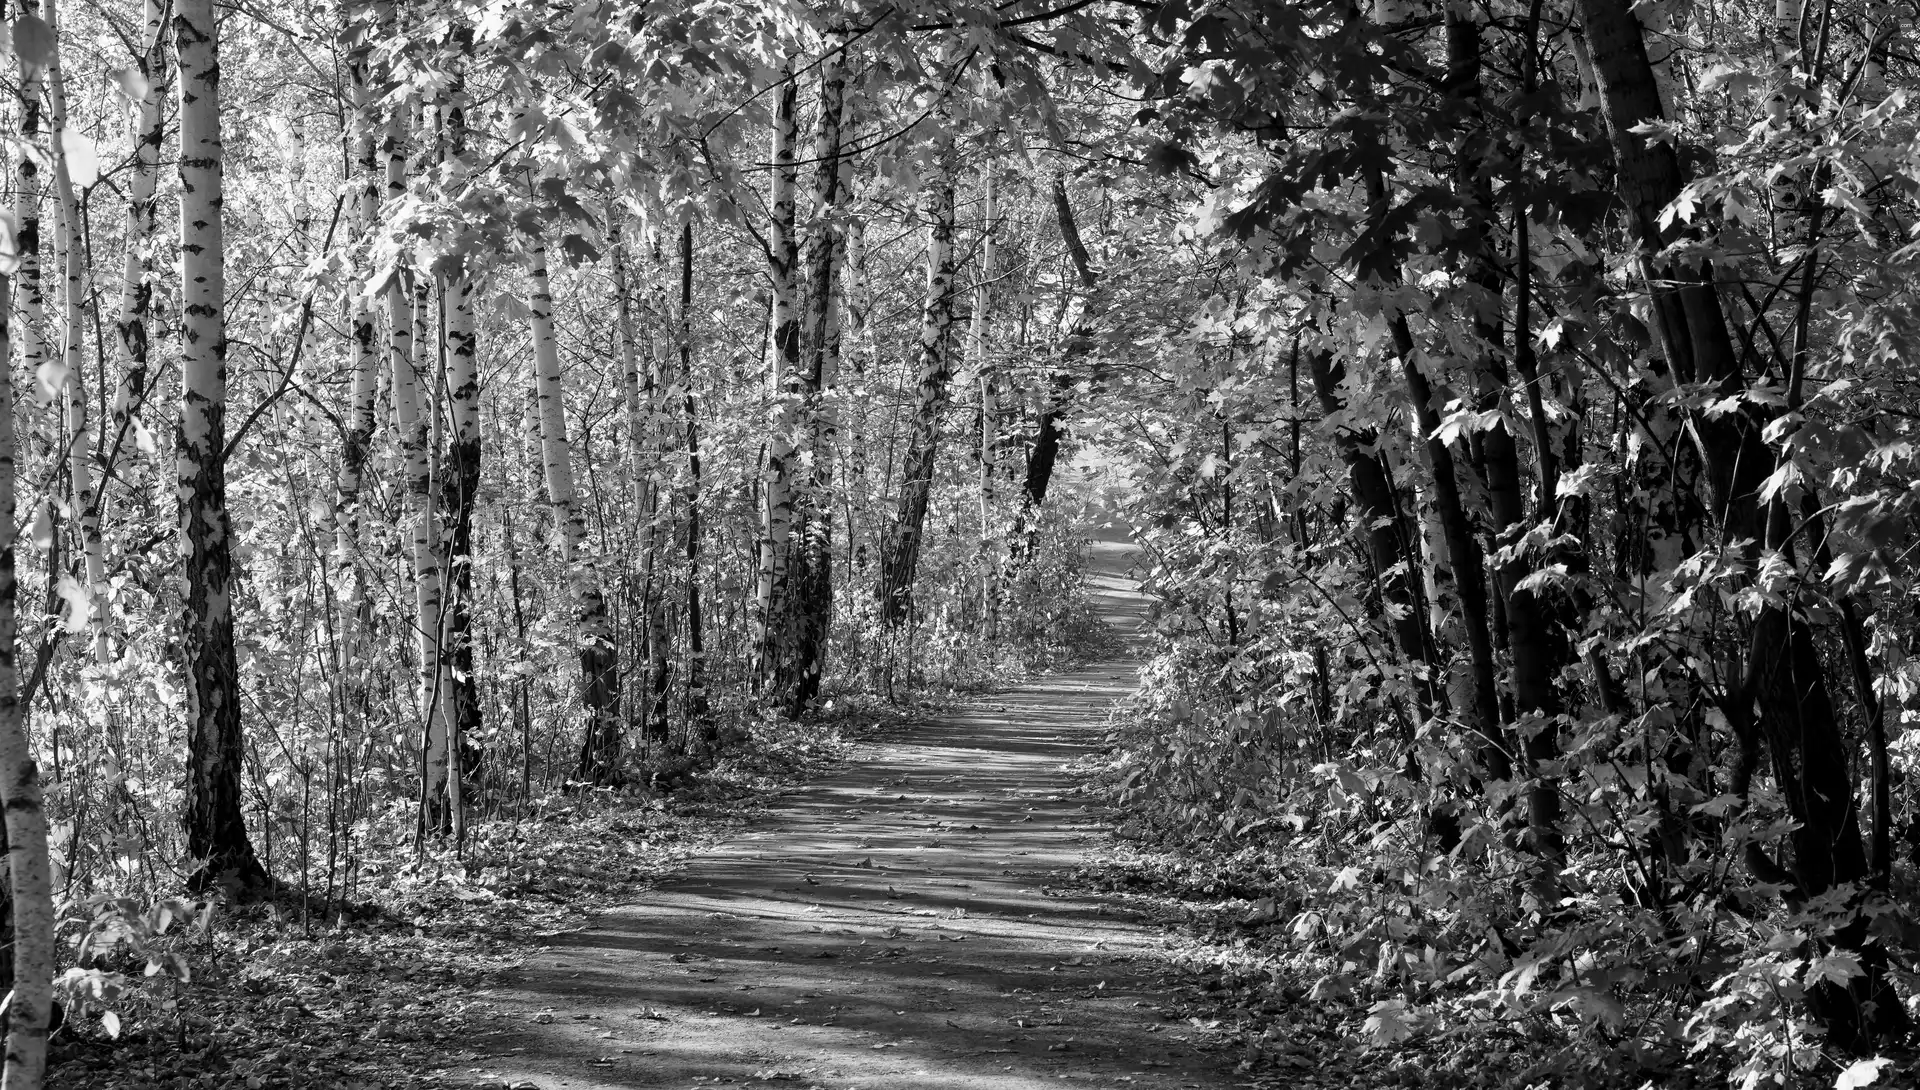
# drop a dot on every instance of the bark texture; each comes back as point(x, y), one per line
point(217, 841)
point(902, 556)
point(601, 742)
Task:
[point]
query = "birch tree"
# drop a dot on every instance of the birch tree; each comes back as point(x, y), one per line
point(73, 151)
point(28, 907)
point(809, 605)
point(777, 503)
point(217, 840)
point(145, 85)
point(930, 398)
point(600, 746)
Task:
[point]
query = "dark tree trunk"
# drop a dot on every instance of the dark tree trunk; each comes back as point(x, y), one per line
point(699, 715)
point(1382, 525)
point(1783, 698)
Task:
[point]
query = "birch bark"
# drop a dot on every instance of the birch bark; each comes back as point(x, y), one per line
point(641, 391)
point(136, 279)
point(460, 494)
point(79, 425)
point(413, 421)
point(809, 606)
point(216, 828)
point(362, 384)
point(776, 514)
point(936, 367)
point(599, 662)
point(29, 873)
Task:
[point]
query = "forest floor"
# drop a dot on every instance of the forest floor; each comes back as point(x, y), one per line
point(896, 898)
point(908, 923)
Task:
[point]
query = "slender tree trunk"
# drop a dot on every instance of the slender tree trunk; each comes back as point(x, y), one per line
point(356, 440)
point(217, 840)
point(979, 343)
point(1048, 431)
point(777, 511)
point(413, 421)
point(1463, 548)
point(809, 605)
point(29, 283)
point(858, 489)
point(459, 496)
point(28, 904)
point(600, 747)
point(895, 593)
point(79, 426)
point(1537, 647)
point(1382, 524)
point(699, 718)
point(136, 283)
point(643, 398)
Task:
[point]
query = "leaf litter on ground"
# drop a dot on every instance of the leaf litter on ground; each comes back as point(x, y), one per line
point(385, 991)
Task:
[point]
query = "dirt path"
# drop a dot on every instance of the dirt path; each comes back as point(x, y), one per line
point(888, 928)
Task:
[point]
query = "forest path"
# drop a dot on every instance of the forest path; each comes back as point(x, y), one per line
point(886, 928)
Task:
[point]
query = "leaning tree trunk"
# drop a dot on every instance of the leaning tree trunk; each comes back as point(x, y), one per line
point(902, 555)
point(809, 604)
point(599, 659)
point(1049, 432)
point(1462, 547)
point(1384, 529)
point(217, 841)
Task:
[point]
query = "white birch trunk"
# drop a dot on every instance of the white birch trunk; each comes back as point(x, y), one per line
point(216, 829)
point(600, 749)
point(29, 873)
point(79, 426)
point(805, 622)
point(30, 299)
point(923, 443)
point(412, 421)
point(363, 383)
point(462, 487)
point(136, 278)
point(776, 513)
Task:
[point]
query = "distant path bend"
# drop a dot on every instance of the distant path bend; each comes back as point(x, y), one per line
point(881, 929)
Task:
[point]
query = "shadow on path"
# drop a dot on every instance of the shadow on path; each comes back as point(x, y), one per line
point(887, 928)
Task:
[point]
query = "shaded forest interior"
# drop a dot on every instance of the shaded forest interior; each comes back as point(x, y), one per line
point(432, 424)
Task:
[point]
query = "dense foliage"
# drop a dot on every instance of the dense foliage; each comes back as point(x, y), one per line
point(1531, 509)
point(1517, 401)
point(490, 454)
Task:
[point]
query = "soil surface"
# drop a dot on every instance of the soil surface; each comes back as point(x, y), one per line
point(891, 927)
